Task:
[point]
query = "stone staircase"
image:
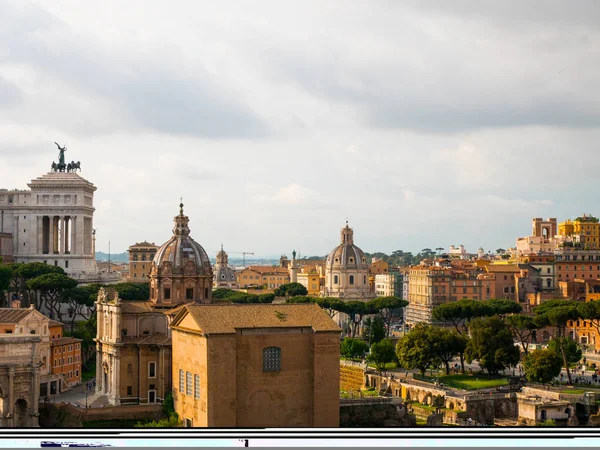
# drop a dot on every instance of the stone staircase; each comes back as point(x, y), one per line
point(97, 400)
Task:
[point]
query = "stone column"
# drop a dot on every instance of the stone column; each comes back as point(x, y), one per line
point(36, 393)
point(73, 237)
point(40, 235)
point(50, 235)
point(99, 370)
point(11, 395)
point(61, 228)
point(116, 367)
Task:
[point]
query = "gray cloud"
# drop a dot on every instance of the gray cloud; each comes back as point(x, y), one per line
point(10, 94)
point(145, 90)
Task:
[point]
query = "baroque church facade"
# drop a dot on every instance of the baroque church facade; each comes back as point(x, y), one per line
point(347, 270)
point(133, 342)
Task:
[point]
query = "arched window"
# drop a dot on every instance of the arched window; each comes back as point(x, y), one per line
point(351, 279)
point(335, 279)
point(196, 386)
point(181, 381)
point(272, 359)
point(188, 383)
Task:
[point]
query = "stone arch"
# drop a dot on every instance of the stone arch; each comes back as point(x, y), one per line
point(21, 413)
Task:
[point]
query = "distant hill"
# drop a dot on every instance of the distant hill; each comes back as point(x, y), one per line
point(114, 257)
point(124, 257)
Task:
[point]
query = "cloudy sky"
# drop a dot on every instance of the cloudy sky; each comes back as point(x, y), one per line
point(424, 123)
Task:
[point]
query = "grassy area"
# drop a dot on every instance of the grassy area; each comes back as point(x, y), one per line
point(371, 392)
point(421, 422)
point(473, 382)
point(388, 366)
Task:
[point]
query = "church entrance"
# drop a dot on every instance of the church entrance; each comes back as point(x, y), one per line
point(105, 379)
point(21, 420)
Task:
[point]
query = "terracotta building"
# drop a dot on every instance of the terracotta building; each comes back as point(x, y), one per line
point(256, 366)
point(29, 321)
point(433, 283)
point(141, 255)
point(66, 360)
point(133, 341)
point(583, 232)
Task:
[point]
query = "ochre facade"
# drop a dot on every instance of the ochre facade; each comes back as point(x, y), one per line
point(220, 376)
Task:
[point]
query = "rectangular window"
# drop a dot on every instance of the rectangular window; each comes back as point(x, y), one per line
point(77, 373)
point(130, 390)
point(129, 368)
point(167, 294)
point(181, 381)
point(152, 370)
point(272, 359)
point(189, 293)
point(196, 386)
point(188, 383)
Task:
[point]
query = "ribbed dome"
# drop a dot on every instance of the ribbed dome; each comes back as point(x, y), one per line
point(347, 255)
point(181, 249)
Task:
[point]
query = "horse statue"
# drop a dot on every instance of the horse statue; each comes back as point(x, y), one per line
point(76, 166)
point(69, 167)
point(54, 167)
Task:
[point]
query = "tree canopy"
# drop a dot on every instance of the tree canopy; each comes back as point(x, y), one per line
point(51, 287)
point(382, 353)
point(416, 349)
point(387, 307)
point(491, 344)
point(291, 290)
point(541, 366)
point(353, 348)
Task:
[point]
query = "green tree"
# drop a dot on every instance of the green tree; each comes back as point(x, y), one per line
point(501, 307)
point(171, 422)
point(522, 328)
point(330, 305)
point(557, 313)
point(357, 311)
point(22, 273)
point(568, 346)
point(81, 301)
point(291, 290)
point(221, 293)
point(387, 307)
point(51, 286)
point(6, 276)
point(541, 366)
point(353, 348)
point(301, 299)
point(266, 298)
point(459, 313)
point(374, 330)
point(382, 353)
point(491, 344)
point(447, 345)
point(86, 331)
point(416, 349)
point(133, 291)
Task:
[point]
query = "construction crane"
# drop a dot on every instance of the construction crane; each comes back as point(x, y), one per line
point(243, 256)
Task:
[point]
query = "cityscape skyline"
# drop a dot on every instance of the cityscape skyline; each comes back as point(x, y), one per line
point(422, 123)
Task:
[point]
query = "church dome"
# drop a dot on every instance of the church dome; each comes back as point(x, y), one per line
point(224, 275)
point(347, 255)
point(181, 253)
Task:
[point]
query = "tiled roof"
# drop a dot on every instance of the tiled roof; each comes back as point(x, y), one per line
point(502, 268)
point(225, 319)
point(269, 270)
point(54, 323)
point(151, 339)
point(13, 315)
point(135, 307)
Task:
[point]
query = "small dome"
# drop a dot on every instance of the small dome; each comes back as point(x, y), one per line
point(181, 251)
point(347, 255)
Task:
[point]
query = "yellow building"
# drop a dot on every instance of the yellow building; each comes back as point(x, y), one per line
point(256, 366)
point(584, 230)
point(265, 276)
point(140, 261)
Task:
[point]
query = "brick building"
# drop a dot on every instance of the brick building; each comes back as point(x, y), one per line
point(256, 366)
